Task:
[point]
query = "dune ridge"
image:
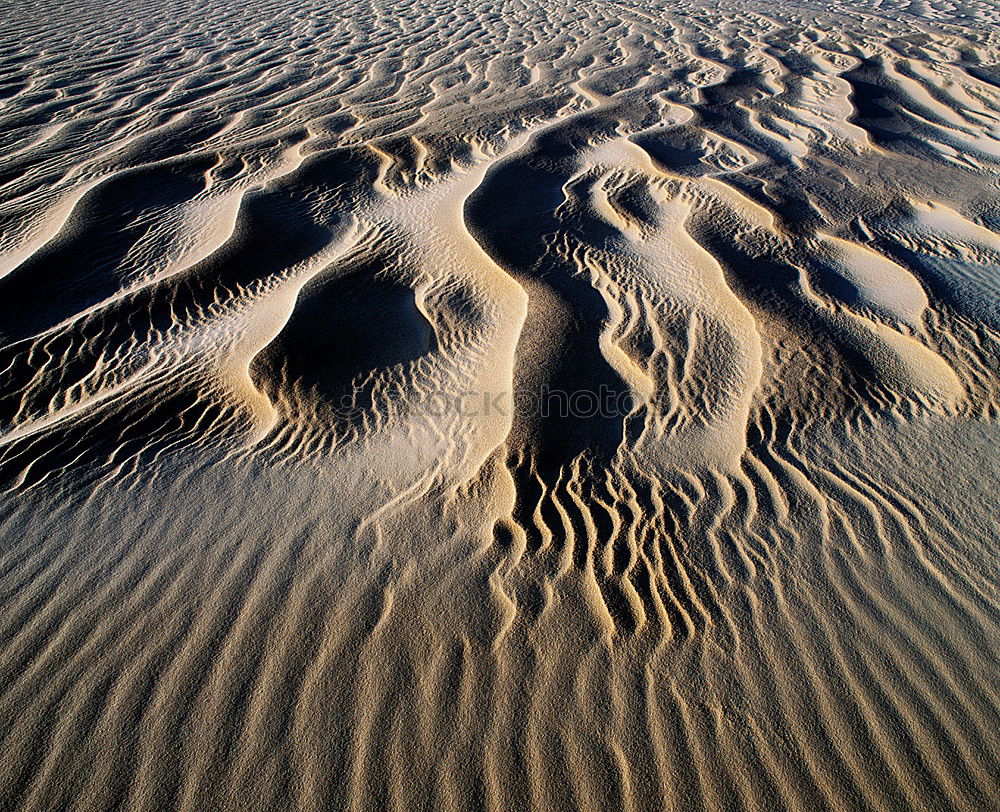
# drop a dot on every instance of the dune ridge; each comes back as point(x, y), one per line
point(519, 406)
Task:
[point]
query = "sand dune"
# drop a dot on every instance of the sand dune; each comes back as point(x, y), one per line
point(510, 406)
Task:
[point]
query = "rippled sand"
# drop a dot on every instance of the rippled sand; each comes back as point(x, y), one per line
point(507, 406)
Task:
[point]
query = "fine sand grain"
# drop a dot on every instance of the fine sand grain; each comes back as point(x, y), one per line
point(511, 405)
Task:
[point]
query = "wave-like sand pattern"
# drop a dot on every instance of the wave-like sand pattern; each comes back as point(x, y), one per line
point(522, 406)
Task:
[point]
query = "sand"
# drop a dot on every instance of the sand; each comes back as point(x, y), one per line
point(505, 406)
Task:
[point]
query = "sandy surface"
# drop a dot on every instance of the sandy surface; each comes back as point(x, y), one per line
point(511, 405)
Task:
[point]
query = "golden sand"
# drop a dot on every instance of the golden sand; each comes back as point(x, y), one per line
point(504, 406)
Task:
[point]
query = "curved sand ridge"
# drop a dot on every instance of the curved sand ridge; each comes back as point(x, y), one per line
point(527, 406)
